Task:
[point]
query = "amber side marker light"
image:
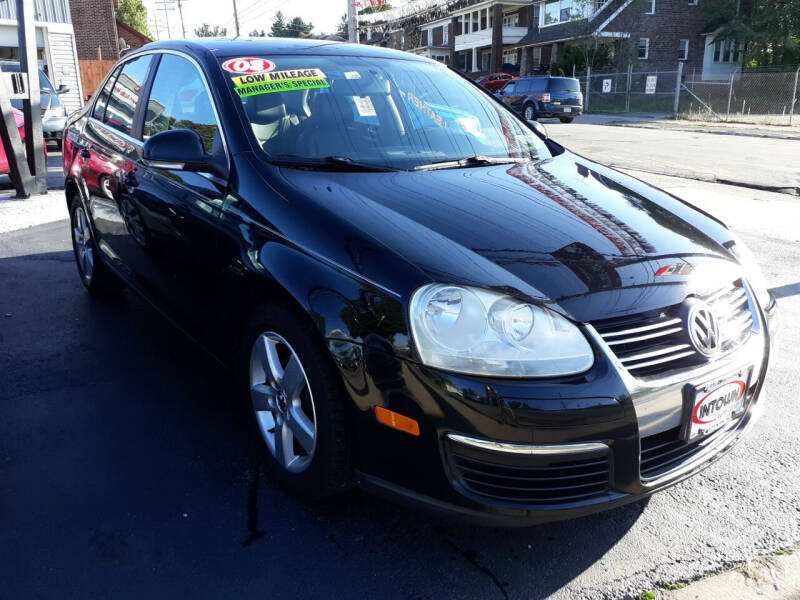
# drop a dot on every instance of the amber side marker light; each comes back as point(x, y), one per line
point(396, 421)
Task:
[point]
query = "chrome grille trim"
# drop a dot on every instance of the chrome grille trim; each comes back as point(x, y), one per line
point(652, 343)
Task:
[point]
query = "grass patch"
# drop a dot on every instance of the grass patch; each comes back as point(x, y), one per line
point(650, 595)
point(675, 586)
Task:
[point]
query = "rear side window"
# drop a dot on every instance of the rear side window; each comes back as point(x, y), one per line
point(102, 97)
point(523, 86)
point(538, 84)
point(125, 94)
point(565, 85)
point(179, 100)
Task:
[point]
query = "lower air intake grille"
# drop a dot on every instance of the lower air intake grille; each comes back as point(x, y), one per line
point(653, 342)
point(556, 482)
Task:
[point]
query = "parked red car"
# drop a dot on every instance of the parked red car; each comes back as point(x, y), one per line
point(4, 169)
point(494, 81)
point(21, 127)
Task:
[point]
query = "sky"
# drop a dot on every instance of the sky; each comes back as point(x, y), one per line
point(253, 14)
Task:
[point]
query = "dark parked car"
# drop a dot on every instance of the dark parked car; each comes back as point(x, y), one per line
point(420, 293)
point(54, 114)
point(494, 81)
point(544, 96)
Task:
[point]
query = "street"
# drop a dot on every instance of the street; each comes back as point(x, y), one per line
point(126, 470)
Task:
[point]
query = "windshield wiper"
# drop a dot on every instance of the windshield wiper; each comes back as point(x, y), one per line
point(470, 161)
point(336, 163)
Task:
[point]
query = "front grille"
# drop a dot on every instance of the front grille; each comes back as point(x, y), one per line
point(653, 342)
point(556, 482)
point(666, 451)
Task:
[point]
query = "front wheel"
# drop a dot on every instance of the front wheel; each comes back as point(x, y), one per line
point(529, 112)
point(566, 119)
point(297, 402)
point(95, 275)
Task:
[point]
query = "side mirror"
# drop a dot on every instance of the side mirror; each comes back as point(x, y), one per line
point(541, 129)
point(62, 89)
point(181, 150)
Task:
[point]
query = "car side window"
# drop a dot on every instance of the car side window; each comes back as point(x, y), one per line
point(102, 97)
point(179, 100)
point(125, 94)
point(510, 87)
point(538, 84)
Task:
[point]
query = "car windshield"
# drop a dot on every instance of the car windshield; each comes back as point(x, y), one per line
point(390, 113)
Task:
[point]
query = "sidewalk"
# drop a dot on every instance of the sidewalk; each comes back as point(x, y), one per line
point(768, 578)
point(36, 210)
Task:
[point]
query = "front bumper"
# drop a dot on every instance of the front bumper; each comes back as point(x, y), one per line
point(594, 433)
point(53, 128)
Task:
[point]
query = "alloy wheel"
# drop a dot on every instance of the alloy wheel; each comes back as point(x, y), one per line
point(84, 249)
point(529, 113)
point(282, 401)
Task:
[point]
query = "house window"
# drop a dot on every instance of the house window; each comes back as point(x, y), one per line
point(510, 57)
point(476, 21)
point(484, 20)
point(445, 35)
point(511, 20)
point(561, 11)
point(650, 6)
point(465, 23)
point(490, 12)
point(692, 2)
point(644, 48)
point(727, 51)
point(683, 49)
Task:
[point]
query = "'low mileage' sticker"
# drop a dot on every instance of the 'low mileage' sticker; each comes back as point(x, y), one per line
point(279, 81)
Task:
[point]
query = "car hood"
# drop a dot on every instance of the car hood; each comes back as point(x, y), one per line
point(564, 229)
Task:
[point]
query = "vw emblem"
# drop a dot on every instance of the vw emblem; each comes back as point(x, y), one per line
point(704, 329)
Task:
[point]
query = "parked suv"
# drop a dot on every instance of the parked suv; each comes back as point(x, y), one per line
point(544, 96)
point(54, 114)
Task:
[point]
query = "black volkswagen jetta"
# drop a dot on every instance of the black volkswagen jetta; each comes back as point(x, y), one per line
point(421, 293)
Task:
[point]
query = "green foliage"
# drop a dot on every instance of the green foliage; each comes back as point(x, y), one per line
point(134, 14)
point(294, 28)
point(341, 29)
point(599, 58)
point(675, 586)
point(257, 33)
point(205, 30)
point(375, 9)
point(769, 28)
point(651, 595)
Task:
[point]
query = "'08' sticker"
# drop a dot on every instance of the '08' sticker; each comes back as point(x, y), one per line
point(244, 66)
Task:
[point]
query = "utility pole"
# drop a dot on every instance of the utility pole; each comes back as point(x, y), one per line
point(352, 21)
point(180, 12)
point(31, 106)
point(164, 5)
point(236, 18)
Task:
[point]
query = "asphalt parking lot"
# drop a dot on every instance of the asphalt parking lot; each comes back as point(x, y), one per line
point(126, 469)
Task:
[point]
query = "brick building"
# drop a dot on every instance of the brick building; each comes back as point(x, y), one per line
point(95, 29)
point(129, 38)
point(650, 34)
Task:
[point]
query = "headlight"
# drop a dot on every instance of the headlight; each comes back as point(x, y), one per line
point(51, 113)
point(479, 332)
point(752, 271)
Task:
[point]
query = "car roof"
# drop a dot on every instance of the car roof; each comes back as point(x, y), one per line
point(547, 77)
point(228, 48)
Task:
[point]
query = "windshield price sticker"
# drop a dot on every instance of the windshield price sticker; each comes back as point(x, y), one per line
point(279, 81)
point(248, 65)
point(364, 106)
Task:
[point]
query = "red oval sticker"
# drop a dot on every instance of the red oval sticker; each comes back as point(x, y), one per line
point(718, 402)
point(246, 66)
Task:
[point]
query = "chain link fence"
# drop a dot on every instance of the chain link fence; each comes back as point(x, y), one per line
point(767, 95)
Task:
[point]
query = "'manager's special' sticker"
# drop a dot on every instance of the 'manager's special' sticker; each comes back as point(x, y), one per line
point(248, 65)
point(279, 81)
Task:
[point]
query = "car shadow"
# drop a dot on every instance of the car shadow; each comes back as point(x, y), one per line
point(130, 470)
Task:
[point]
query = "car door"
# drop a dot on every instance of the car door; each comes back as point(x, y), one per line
point(507, 93)
point(520, 93)
point(172, 215)
point(107, 150)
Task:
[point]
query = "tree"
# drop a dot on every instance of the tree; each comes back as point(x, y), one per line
point(588, 52)
point(205, 30)
point(341, 29)
point(256, 33)
point(375, 9)
point(294, 28)
point(770, 29)
point(134, 14)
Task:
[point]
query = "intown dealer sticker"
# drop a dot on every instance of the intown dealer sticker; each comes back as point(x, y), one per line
point(279, 81)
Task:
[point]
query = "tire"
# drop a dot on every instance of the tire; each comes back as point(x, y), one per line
point(308, 469)
point(566, 119)
point(529, 112)
point(96, 277)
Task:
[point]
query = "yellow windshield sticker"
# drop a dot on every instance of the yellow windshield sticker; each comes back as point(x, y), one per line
point(278, 76)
